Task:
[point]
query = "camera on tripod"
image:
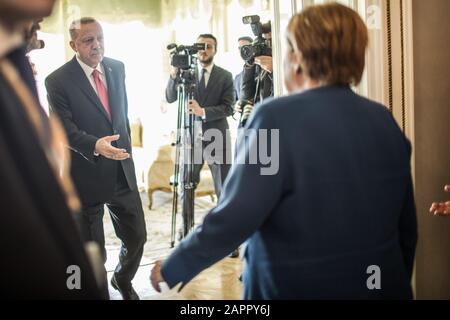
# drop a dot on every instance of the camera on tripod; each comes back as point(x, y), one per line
point(184, 60)
point(260, 46)
point(182, 57)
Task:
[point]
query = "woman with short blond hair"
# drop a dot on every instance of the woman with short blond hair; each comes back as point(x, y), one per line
point(330, 43)
point(337, 220)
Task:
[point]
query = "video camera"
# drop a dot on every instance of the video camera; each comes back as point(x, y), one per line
point(260, 46)
point(182, 56)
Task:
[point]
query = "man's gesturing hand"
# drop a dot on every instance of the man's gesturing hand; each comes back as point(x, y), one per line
point(103, 146)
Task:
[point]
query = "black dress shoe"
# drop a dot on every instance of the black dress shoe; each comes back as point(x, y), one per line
point(127, 293)
point(234, 254)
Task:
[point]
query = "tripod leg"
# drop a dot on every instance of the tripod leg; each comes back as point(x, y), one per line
point(177, 163)
point(191, 178)
point(187, 185)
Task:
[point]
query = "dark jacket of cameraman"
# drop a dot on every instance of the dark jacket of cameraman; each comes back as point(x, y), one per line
point(250, 76)
point(217, 102)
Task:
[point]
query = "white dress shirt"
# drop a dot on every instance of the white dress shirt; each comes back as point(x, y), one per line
point(88, 72)
point(207, 73)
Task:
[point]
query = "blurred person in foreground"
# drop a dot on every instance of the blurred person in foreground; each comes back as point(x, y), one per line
point(341, 204)
point(42, 254)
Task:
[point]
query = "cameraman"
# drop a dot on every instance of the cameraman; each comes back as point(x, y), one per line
point(257, 82)
point(242, 41)
point(212, 105)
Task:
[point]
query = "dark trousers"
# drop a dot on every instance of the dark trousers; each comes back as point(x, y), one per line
point(127, 215)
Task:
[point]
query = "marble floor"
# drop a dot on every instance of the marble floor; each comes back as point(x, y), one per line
point(219, 282)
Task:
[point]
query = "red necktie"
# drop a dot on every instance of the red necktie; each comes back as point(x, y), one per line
point(102, 92)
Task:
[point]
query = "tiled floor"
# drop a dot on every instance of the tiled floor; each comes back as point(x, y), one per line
point(221, 281)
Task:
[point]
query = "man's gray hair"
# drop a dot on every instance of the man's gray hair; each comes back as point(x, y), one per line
point(76, 25)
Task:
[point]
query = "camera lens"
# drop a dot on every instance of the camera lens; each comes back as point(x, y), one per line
point(247, 52)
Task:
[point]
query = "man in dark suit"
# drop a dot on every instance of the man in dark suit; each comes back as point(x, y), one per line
point(212, 105)
point(89, 95)
point(41, 242)
point(337, 219)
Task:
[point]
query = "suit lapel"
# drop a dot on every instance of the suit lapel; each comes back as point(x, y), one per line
point(83, 83)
